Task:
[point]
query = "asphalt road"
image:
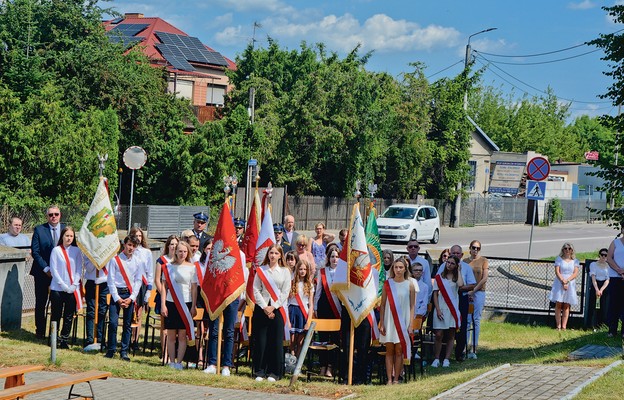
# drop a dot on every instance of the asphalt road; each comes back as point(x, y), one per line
point(513, 240)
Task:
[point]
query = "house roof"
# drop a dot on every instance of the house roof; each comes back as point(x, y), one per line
point(147, 29)
point(483, 135)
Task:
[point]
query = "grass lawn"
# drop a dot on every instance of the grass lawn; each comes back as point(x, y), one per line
point(500, 343)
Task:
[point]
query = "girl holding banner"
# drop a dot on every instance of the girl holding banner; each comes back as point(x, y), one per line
point(300, 305)
point(66, 269)
point(271, 287)
point(178, 304)
point(446, 308)
point(398, 297)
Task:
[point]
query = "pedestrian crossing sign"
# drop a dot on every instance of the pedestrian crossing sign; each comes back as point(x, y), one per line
point(536, 190)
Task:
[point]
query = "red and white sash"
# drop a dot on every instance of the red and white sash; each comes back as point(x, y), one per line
point(178, 299)
point(374, 328)
point(77, 294)
point(275, 294)
point(329, 294)
point(301, 304)
point(200, 279)
point(399, 324)
point(124, 274)
point(445, 295)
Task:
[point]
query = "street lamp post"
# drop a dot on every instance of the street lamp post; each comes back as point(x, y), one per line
point(457, 210)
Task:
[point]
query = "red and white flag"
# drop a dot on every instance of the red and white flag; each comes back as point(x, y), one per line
point(250, 242)
point(224, 279)
point(353, 282)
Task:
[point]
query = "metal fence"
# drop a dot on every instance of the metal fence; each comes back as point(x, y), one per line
point(524, 285)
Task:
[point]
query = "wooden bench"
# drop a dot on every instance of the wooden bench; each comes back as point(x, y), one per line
point(18, 392)
point(15, 375)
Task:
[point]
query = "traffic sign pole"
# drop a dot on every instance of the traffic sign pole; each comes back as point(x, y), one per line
point(538, 169)
point(532, 225)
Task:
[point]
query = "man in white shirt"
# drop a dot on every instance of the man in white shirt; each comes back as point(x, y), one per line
point(412, 254)
point(14, 237)
point(124, 284)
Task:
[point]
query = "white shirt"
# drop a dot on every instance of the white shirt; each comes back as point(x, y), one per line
point(58, 268)
point(185, 275)
point(426, 276)
point(422, 298)
point(92, 274)
point(281, 276)
point(115, 279)
point(602, 274)
point(330, 273)
point(19, 240)
point(146, 262)
point(466, 273)
point(292, 300)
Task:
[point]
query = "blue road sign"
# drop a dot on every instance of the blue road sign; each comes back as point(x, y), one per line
point(536, 190)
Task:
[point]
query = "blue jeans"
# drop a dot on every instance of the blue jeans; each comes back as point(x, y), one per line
point(229, 319)
point(102, 310)
point(113, 322)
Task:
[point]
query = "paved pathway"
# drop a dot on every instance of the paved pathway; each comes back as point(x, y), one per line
point(117, 389)
point(525, 381)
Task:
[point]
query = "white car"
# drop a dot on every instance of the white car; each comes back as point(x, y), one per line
point(405, 222)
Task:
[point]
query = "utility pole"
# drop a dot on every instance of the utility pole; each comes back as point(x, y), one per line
point(467, 62)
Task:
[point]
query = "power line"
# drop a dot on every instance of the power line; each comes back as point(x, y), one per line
point(489, 63)
point(442, 70)
point(541, 62)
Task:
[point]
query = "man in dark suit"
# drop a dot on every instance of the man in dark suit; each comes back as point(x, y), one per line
point(44, 239)
point(199, 224)
point(290, 236)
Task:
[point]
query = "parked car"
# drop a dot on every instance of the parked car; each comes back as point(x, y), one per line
point(405, 222)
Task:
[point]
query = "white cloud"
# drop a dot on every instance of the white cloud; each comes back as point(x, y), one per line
point(583, 5)
point(379, 32)
point(222, 20)
point(231, 36)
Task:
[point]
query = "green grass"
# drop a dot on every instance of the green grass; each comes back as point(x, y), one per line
point(500, 343)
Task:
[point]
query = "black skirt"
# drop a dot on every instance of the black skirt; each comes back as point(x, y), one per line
point(174, 320)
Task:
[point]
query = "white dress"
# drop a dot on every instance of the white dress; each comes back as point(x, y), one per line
point(447, 321)
point(558, 294)
point(403, 294)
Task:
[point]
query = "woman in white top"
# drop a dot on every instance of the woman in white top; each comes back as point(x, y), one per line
point(181, 272)
point(563, 292)
point(268, 316)
point(146, 263)
point(599, 272)
point(66, 269)
point(615, 258)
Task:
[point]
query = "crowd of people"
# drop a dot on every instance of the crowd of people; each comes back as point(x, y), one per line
point(290, 288)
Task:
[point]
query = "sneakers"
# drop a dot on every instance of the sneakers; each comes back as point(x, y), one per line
point(436, 363)
point(416, 356)
point(259, 379)
point(192, 365)
point(472, 356)
point(446, 363)
point(270, 379)
point(225, 371)
point(212, 369)
point(109, 354)
point(124, 357)
point(172, 365)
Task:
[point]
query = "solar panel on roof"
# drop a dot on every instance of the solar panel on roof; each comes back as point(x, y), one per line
point(128, 29)
point(117, 20)
point(180, 63)
point(188, 48)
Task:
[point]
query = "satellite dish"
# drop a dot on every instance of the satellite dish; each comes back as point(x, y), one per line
point(134, 157)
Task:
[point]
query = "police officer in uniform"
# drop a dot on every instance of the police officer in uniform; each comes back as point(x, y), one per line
point(278, 230)
point(239, 224)
point(199, 225)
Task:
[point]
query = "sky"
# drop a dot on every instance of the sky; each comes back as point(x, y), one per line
point(434, 33)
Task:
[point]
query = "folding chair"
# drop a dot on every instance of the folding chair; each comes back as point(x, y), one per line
point(323, 325)
point(242, 346)
point(153, 322)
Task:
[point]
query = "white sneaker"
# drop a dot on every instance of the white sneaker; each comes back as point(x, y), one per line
point(472, 356)
point(192, 365)
point(211, 369)
point(436, 363)
point(271, 379)
point(225, 371)
point(446, 363)
point(259, 379)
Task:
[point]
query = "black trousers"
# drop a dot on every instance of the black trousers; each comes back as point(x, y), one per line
point(616, 305)
point(324, 311)
point(460, 338)
point(42, 289)
point(361, 345)
point(102, 309)
point(63, 304)
point(268, 343)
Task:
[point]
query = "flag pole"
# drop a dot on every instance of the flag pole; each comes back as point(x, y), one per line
point(351, 346)
point(219, 337)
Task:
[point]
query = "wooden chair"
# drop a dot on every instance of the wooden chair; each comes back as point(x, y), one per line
point(242, 346)
point(323, 325)
point(153, 322)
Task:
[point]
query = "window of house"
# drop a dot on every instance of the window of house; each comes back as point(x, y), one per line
point(472, 175)
point(215, 95)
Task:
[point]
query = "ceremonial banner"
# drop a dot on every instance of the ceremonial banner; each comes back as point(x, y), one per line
point(353, 282)
point(251, 231)
point(98, 238)
point(374, 247)
point(224, 279)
